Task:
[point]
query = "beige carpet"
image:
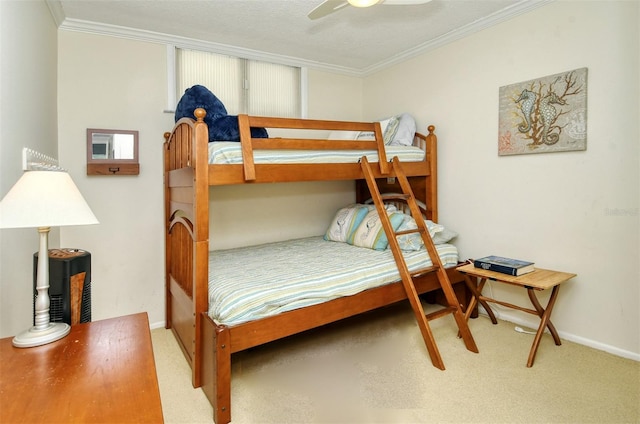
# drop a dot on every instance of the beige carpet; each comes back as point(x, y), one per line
point(375, 369)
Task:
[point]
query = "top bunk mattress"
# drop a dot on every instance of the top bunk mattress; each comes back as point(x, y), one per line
point(230, 152)
point(255, 282)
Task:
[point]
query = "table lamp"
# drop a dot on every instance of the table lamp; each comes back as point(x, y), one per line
point(44, 199)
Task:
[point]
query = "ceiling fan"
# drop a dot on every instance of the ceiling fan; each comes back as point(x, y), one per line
point(329, 6)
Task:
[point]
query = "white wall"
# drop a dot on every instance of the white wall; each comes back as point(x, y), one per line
point(112, 83)
point(28, 58)
point(552, 208)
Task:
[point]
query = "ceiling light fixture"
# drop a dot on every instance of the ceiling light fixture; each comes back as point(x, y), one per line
point(362, 3)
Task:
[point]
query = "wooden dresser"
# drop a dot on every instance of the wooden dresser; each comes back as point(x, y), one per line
point(102, 372)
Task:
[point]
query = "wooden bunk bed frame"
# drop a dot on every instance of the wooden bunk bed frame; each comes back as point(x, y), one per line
point(207, 346)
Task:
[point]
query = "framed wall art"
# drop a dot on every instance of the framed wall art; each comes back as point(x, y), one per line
point(547, 114)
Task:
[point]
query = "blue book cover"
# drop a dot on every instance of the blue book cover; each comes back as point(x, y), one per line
point(504, 265)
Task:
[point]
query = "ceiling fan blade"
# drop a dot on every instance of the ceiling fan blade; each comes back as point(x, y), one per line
point(327, 7)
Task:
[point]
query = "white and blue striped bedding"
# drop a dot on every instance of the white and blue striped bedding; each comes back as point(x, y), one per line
point(254, 282)
point(225, 152)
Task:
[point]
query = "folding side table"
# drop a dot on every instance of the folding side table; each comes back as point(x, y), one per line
point(538, 280)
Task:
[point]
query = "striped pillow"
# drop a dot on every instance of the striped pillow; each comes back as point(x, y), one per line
point(370, 232)
point(345, 222)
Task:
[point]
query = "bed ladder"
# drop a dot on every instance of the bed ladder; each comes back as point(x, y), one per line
point(406, 275)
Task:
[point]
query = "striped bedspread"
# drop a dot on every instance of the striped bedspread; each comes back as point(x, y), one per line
point(225, 152)
point(254, 282)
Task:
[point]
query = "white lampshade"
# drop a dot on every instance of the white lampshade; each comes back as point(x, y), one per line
point(44, 199)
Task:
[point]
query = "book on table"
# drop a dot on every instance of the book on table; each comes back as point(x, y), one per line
point(515, 267)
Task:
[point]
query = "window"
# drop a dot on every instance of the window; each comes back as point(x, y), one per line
point(244, 86)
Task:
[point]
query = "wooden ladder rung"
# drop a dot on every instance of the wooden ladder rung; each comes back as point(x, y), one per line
point(440, 313)
point(423, 271)
point(403, 232)
point(392, 196)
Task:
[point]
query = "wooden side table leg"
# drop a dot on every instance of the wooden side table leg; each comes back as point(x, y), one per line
point(542, 312)
point(476, 297)
point(483, 302)
point(545, 321)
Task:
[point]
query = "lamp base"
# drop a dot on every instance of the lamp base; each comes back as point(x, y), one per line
point(35, 337)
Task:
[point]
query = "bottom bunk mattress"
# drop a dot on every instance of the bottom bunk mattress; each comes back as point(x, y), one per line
point(255, 282)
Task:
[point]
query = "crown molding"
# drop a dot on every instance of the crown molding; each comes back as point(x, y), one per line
point(190, 43)
point(89, 27)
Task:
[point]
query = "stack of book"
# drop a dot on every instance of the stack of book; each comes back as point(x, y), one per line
point(508, 266)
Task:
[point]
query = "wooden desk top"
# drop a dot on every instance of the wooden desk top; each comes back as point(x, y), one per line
point(102, 372)
point(540, 279)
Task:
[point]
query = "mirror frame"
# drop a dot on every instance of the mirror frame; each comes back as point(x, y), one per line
point(112, 166)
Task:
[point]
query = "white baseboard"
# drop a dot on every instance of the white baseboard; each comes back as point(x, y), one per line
point(513, 317)
point(159, 324)
point(516, 319)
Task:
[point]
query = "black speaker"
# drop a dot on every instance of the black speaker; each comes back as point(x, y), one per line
point(69, 285)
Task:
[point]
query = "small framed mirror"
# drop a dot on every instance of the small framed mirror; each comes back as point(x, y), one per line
point(112, 152)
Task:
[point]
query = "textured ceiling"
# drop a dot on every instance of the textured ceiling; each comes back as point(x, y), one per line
point(352, 39)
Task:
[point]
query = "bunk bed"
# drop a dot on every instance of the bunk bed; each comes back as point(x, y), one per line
point(191, 167)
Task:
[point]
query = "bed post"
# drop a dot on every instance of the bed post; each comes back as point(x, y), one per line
point(216, 369)
point(432, 180)
point(201, 236)
point(167, 234)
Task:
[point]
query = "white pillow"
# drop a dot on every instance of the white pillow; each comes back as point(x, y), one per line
point(444, 236)
point(409, 241)
point(439, 234)
point(405, 132)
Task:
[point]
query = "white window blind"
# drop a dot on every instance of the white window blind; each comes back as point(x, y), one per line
point(243, 86)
